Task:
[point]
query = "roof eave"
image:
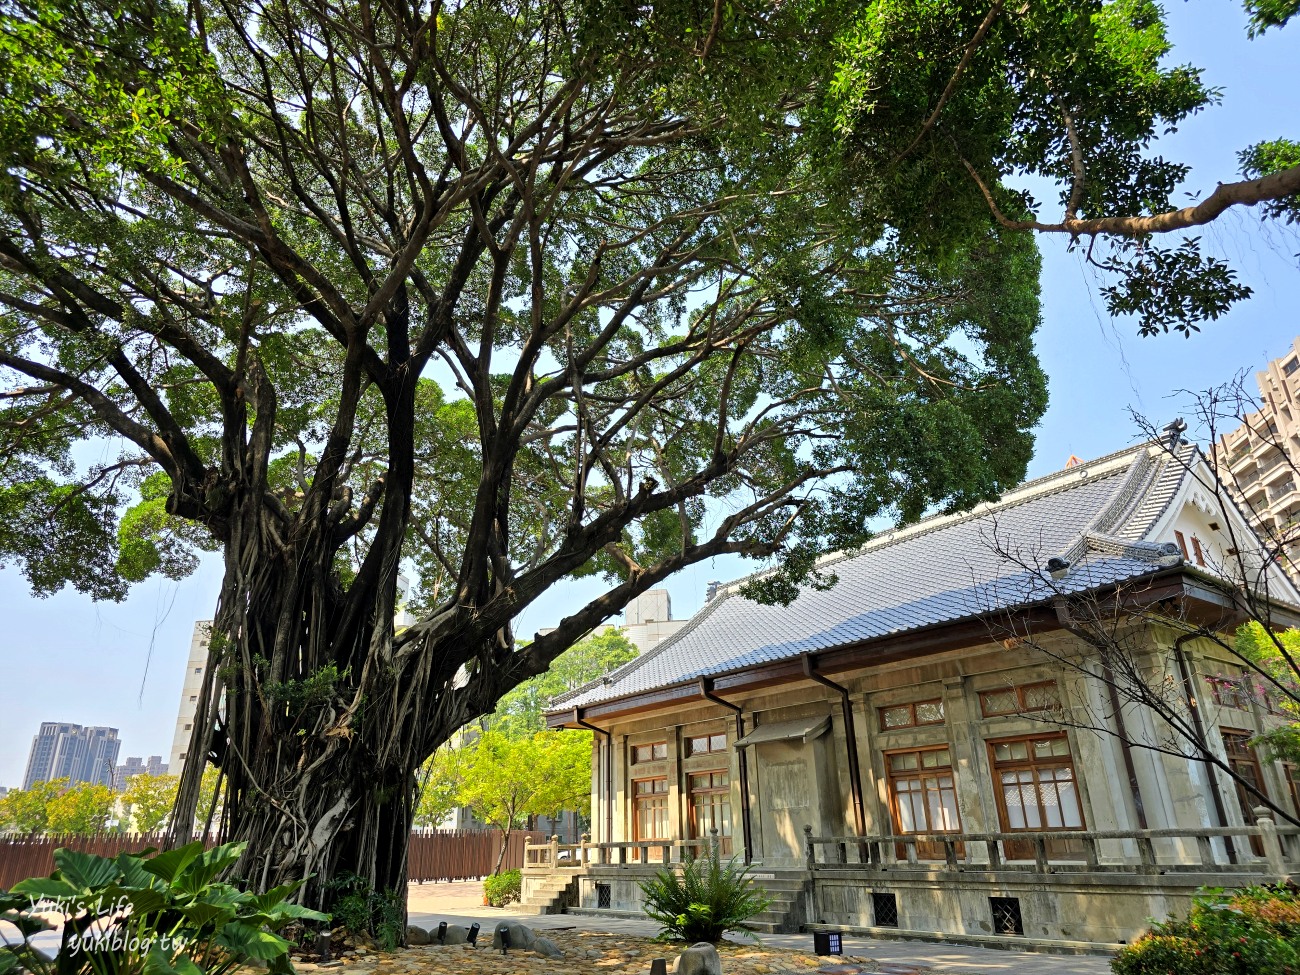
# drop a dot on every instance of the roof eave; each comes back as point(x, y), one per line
point(1214, 608)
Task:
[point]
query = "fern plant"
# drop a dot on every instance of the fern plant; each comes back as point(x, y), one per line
point(705, 901)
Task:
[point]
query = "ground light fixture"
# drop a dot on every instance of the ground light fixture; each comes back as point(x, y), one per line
point(503, 932)
point(828, 943)
point(659, 967)
point(472, 937)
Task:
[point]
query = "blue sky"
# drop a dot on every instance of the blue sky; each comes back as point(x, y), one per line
point(67, 659)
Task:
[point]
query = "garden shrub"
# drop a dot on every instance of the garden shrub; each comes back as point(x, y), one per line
point(1255, 931)
point(705, 901)
point(149, 914)
point(502, 888)
point(357, 906)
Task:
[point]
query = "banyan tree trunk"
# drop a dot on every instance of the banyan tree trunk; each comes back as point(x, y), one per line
point(317, 723)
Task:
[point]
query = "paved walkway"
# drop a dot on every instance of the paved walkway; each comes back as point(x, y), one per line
point(462, 903)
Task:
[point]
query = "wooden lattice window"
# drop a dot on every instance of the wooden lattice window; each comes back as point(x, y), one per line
point(1023, 698)
point(911, 715)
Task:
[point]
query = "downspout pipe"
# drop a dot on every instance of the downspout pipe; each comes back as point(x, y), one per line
point(851, 736)
point(706, 692)
point(609, 771)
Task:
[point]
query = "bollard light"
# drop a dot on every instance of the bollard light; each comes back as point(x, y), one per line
point(323, 943)
point(503, 933)
point(442, 932)
point(472, 937)
point(659, 967)
point(828, 943)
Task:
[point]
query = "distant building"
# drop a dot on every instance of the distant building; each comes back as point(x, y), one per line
point(648, 619)
point(134, 766)
point(70, 751)
point(1258, 460)
point(4, 791)
point(194, 670)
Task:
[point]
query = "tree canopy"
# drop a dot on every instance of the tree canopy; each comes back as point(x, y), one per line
point(512, 294)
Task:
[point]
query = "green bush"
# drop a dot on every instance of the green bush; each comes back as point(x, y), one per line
point(357, 906)
point(502, 888)
point(705, 901)
point(149, 914)
point(1255, 931)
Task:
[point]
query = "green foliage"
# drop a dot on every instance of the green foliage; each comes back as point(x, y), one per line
point(151, 914)
point(149, 800)
point(502, 888)
point(1255, 931)
point(440, 780)
point(1270, 13)
point(704, 901)
point(27, 810)
point(520, 712)
point(1170, 287)
point(1277, 655)
point(80, 810)
point(361, 909)
point(1267, 158)
point(504, 780)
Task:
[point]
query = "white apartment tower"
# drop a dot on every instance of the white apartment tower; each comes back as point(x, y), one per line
point(194, 671)
point(1258, 460)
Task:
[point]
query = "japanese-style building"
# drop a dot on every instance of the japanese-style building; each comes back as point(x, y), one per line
point(915, 750)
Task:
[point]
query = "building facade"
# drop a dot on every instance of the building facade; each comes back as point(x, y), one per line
point(1258, 460)
point(927, 746)
point(73, 752)
point(195, 666)
point(133, 766)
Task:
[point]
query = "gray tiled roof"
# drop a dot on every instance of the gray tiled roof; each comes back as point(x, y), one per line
point(940, 570)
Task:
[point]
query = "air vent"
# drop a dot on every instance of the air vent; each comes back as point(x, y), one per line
point(884, 908)
point(1006, 915)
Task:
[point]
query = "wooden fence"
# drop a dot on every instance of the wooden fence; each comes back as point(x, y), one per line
point(464, 854)
point(461, 854)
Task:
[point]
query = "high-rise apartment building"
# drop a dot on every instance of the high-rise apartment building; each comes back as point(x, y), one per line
point(1258, 460)
point(134, 766)
point(194, 670)
point(70, 751)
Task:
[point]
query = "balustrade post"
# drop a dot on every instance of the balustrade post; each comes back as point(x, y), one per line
point(713, 842)
point(583, 845)
point(1146, 855)
point(1040, 855)
point(1205, 850)
point(555, 852)
point(995, 854)
point(1090, 851)
point(810, 849)
point(950, 853)
point(909, 847)
point(1272, 844)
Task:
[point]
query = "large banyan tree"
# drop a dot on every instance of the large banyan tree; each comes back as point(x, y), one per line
point(502, 294)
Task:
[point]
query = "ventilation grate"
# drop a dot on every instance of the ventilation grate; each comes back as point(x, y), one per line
point(602, 895)
point(1006, 915)
point(884, 908)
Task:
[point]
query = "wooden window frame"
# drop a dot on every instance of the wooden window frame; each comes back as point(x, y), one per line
point(925, 850)
point(637, 800)
point(1245, 758)
point(1197, 554)
point(1020, 690)
point(911, 710)
point(1182, 544)
point(1018, 850)
point(724, 791)
point(709, 739)
point(1291, 772)
point(652, 745)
